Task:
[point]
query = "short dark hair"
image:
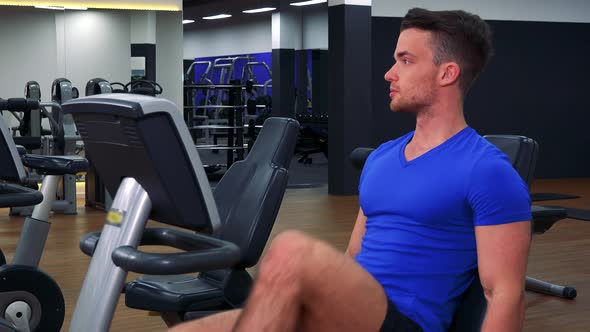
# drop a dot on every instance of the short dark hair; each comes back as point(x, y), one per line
point(456, 36)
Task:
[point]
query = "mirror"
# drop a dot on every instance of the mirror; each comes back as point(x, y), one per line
point(43, 44)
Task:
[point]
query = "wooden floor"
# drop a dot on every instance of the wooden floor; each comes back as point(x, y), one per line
point(558, 256)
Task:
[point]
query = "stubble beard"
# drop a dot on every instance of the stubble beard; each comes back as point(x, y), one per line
point(413, 104)
point(397, 105)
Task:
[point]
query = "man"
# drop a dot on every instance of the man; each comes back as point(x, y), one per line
point(437, 206)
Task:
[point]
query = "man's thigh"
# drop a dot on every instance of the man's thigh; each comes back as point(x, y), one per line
point(337, 294)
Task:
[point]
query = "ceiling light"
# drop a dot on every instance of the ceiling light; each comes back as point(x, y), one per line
point(216, 17)
point(61, 8)
point(188, 21)
point(307, 3)
point(259, 10)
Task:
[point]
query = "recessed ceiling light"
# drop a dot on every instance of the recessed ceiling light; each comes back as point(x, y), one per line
point(259, 10)
point(61, 8)
point(216, 17)
point(188, 21)
point(307, 3)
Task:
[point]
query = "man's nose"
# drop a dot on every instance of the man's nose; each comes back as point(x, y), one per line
point(391, 74)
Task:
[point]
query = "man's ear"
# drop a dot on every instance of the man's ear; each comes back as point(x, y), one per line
point(449, 73)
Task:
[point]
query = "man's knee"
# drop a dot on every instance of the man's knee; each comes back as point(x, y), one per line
point(288, 247)
point(287, 255)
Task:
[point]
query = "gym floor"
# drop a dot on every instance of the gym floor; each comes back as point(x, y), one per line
point(558, 256)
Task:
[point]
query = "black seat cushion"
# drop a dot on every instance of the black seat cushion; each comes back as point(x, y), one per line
point(248, 198)
point(56, 165)
point(178, 293)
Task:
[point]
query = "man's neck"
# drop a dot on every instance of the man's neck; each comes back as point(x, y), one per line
point(437, 124)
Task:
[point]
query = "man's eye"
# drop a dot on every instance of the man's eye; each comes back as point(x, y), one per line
point(406, 61)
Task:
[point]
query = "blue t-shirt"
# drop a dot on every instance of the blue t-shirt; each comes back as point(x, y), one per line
point(420, 239)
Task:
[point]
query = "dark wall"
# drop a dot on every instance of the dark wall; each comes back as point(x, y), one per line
point(349, 93)
point(148, 51)
point(283, 82)
point(320, 76)
point(537, 85)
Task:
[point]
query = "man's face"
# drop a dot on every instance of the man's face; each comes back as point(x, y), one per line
point(412, 79)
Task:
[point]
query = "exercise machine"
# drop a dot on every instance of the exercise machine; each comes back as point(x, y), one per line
point(160, 177)
point(140, 87)
point(98, 86)
point(63, 142)
point(30, 300)
point(60, 139)
point(96, 194)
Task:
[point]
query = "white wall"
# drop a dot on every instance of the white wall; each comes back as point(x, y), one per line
point(287, 30)
point(315, 28)
point(169, 55)
point(43, 45)
point(97, 44)
point(28, 50)
point(252, 36)
point(143, 27)
point(237, 35)
point(510, 10)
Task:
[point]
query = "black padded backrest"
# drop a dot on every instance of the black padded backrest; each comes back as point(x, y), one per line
point(58, 93)
point(522, 152)
point(250, 193)
point(146, 138)
point(32, 91)
point(97, 86)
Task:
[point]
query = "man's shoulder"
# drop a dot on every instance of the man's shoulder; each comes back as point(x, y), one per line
point(484, 152)
point(492, 165)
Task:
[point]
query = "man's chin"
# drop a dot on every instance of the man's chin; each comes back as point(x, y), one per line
point(396, 108)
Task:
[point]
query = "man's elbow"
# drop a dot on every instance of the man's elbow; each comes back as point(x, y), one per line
point(507, 294)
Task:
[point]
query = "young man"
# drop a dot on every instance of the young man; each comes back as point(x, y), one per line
point(437, 206)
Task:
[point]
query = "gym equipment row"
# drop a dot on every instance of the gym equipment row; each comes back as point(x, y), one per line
point(224, 109)
point(97, 86)
point(197, 96)
point(60, 139)
point(164, 181)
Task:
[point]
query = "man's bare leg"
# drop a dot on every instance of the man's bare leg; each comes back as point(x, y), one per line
point(305, 284)
point(224, 321)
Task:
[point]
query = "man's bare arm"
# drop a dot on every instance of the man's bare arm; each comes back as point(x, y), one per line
point(354, 245)
point(502, 252)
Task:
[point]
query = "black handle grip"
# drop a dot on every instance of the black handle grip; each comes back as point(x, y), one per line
point(19, 105)
point(203, 253)
point(88, 243)
point(544, 287)
point(358, 157)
